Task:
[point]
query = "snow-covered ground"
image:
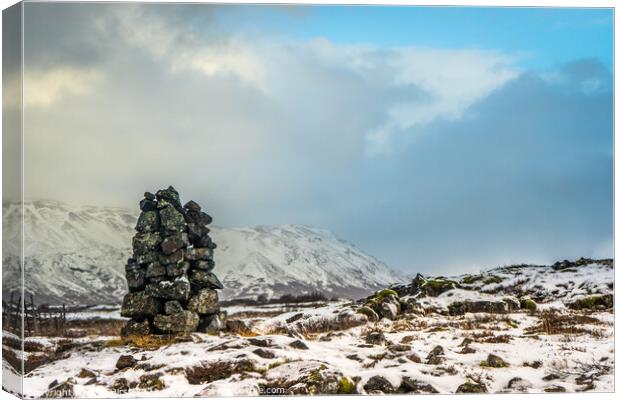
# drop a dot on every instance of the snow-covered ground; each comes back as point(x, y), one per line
point(347, 354)
point(330, 347)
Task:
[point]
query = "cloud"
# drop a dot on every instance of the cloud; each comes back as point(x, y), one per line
point(425, 157)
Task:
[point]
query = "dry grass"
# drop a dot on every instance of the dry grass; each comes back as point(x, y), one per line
point(145, 342)
point(554, 323)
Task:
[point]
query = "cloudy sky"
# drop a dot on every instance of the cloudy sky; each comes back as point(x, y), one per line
point(437, 139)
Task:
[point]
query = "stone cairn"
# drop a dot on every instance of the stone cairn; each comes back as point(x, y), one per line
point(171, 287)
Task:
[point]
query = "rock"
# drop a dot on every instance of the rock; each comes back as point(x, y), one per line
point(173, 243)
point(410, 385)
point(121, 385)
point(528, 304)
point(125, 361)
point(182, 322)
point(154, 270)
point(512, 303)
point(170, 195)
point(86, 373)
point(203, 279)
point(196, 231)
point(173, 307)
point(151, 382)
point(378, 384)
point(264, 353)
point(146, 258)
point(148, 222)
point(260, 342)
point(375, 338)
point(555, 389)
point(140, 305)
point(171, 219)
point(213, 323)
point(369, 313)
point(148, 205)
point(298, 344)
point(206, 265)
point(390, 308)
point(135, 278)
point(216, 370)
point(145, 242)
point(136, 328)
point(519, 384)
point(494, 361)
point(196, 253)
point(435, 356)
point(62, 390)
point(239, 326)
point(303, 377)
point(173, 258)
point(470, 387)
point(399, 348)
point(198, 217)
point(178, 289)
point(192, 206)
point(491, 307)
point(177, 269)
point(204, 302)
point(550, 377)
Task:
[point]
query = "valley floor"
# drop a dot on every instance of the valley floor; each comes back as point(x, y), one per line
point(329, 348)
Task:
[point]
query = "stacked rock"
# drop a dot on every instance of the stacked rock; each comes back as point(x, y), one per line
point(172, 288)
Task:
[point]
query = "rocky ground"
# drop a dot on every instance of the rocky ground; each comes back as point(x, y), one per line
point(514, 329)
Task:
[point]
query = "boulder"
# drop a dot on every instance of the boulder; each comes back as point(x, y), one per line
point(173, 243)
point(182, 322)
point(167, 259)
point(492, 307)
point(410, 385)
point(494, 361)
point(206, 265)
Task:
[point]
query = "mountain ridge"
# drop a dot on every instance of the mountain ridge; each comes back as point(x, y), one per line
point(77, 254)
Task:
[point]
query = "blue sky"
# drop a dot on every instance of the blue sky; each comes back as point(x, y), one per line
point(544, 36)
point(436, 139)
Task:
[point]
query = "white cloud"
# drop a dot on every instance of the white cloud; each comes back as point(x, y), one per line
point(44, 88)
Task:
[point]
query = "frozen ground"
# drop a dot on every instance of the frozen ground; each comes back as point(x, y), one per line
point(331, 348)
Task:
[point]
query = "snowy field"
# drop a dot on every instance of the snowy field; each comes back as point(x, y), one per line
point(330, 347)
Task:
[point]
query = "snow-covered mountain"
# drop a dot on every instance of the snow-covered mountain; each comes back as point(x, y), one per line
point(77, 255)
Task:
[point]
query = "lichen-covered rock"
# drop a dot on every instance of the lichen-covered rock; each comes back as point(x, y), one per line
point(145, 242)
point(174, 242)
point(140, 305)
point(155, 269)
point(410, 385)
point(213, 322)
point(482, 306)
point(172, 307)
point(494, 361)
point(134, 327)
point(177, 269)
point(378, 384)
point(148, 221)
point(204, 279)
point(182, 322)
point(472, 387)
point(204, 302)
point(178, 289)
point(171, 219)
point(126, 361)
